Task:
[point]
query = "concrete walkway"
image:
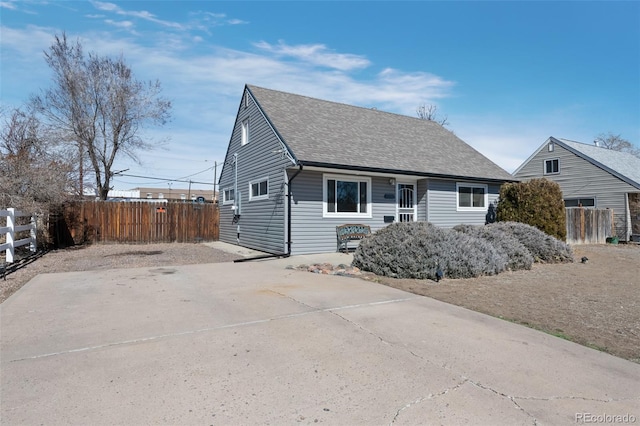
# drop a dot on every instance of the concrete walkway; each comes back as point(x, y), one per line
point(255, 343)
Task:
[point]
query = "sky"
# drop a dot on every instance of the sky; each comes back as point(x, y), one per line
point(507, 75)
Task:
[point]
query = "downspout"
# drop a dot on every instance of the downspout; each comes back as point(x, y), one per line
point(289, 192)
point(288, 253)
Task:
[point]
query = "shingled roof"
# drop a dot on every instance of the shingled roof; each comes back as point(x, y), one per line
point(624, 165)
point(330, 134)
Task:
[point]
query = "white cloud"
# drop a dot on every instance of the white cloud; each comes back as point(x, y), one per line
point(8, 5)
point(316, 54)
point(120, 24)
point(142, 14)
point(108, 7)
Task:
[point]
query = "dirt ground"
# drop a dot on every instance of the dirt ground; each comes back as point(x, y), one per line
point(596, 304)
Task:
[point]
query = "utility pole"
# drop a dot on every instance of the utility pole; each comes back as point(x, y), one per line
point(215, 179)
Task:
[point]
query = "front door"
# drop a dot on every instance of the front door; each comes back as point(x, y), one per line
point(406, 211)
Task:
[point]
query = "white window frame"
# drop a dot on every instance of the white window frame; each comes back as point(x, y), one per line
point(346, 215)
point(551, 160)
point(472, 185)
point(225, 199)
point(245, 131)
point(260, 196)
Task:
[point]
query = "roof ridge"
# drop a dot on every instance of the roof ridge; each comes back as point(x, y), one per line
point(375, 109)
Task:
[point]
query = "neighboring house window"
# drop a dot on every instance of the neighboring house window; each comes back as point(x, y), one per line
point(228, 196)
point(550, 147)
point(259, 189)
point(183, 196)
point(160, 195)
point(551, 166)
point(472, 196)
point(347, 196)
point(245, 132)
point(149, 195)
point(579, 202)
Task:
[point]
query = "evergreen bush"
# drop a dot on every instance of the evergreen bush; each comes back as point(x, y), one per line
point(507, 244)
point(537, 202)
point(416, 249)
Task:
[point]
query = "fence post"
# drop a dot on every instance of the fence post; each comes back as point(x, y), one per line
point(11, 224)
point(33, 246)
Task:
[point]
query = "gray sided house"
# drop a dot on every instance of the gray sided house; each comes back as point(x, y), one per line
point(297, 167)
point(592, 177)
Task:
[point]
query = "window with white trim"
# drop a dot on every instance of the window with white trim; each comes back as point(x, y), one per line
point(551, 166)
point(346, 196)
point(245, 132)
point(228, 196)
point(472, 196)
point(259, 189)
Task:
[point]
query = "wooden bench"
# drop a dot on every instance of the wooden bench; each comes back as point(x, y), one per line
point(351, 232)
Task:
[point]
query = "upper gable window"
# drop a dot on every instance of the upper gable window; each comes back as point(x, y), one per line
point(551, 166)
point(472, 196)
point(245, 132)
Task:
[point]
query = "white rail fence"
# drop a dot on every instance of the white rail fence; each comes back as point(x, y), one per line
point(12, 231)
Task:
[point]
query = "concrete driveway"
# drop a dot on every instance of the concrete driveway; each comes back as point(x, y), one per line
point(255, 343)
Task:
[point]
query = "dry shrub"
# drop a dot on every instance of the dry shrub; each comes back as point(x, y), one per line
point(543, 247)
point(415, 249)
point(507, 244)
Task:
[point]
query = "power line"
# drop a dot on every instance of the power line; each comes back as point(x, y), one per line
point(205, 170)
point(163, 179)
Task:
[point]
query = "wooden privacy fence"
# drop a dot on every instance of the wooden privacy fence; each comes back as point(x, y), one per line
point(136, 222)
point(589, 226)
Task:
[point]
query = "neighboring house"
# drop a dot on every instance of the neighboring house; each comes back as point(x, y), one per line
point(161, 194)
point(297, 167)
point(592, 177)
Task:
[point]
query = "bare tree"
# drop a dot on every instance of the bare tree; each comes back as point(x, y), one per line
point(99, 107)
point(34, 175)
point(430, 113)
point(616, 143)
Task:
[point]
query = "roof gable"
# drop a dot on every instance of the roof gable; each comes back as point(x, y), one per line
point(621, 164)
point(327, 133)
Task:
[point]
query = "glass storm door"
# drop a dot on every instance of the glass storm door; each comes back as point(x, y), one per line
point(406, 202)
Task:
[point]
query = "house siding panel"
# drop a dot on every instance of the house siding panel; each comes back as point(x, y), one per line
point(580, 178)
point(313, 233)
point(262, 222)
point(421, 200)
point(442, 208)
